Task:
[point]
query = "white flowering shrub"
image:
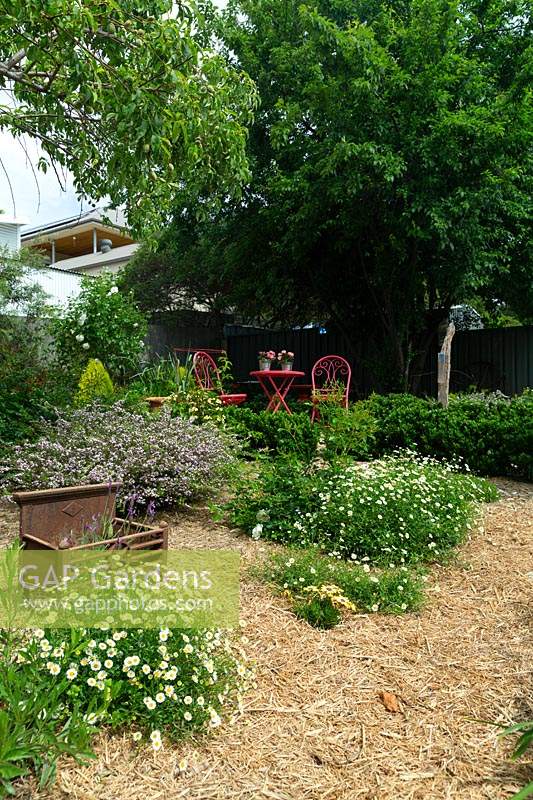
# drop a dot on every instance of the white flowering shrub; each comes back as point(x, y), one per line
point(156, 684)
point(101, 322)
point(403, 509)
point(158, 457)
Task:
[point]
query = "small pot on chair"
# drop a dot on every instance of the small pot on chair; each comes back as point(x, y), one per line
point(286, 366)
point(264, 364)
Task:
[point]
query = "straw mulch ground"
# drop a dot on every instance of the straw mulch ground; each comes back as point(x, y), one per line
point(315, 728)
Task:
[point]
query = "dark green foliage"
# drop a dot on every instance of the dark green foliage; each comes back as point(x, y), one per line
point(278, 434)
point(391, 173)
point(340, 432)
point(347, 432)
point(494, 436)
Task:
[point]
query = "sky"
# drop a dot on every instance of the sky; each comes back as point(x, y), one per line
point(39, 198)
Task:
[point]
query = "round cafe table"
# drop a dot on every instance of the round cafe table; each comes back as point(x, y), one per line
point(275, 384)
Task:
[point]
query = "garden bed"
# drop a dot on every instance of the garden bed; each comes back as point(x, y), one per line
point(315, 727)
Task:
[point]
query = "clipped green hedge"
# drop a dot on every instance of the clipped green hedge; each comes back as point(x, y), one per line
point(278, 434)
point(494, 435)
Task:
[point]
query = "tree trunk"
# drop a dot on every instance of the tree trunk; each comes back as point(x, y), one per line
point(443, 366)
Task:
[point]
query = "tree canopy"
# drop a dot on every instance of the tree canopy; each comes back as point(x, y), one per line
point(130, 97)
point(391, 170)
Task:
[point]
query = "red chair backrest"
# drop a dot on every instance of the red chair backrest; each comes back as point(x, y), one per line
point(205, 371)
point(328, 373)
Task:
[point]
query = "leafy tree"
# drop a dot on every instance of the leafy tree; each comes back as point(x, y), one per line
point(129, 97)
point(391, 172)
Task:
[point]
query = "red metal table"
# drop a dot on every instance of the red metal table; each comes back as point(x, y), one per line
point(275, 384)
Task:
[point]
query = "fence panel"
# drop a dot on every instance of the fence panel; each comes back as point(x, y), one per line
point(499, 358)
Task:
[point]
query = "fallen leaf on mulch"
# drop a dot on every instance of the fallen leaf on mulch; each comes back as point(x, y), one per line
point(390, 701)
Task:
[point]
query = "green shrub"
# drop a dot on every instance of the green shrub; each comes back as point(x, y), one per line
point(94, 384)
point(276, 434)
point(403, 509)
point(347, 431)
point(101, 322)
point(493, 434)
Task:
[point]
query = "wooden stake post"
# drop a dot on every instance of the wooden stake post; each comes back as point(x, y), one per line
point(444, 366)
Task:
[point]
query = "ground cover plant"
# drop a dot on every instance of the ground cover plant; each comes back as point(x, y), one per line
point(155, 684)
point(158, 457)
point(403, 509)
point(321, 588)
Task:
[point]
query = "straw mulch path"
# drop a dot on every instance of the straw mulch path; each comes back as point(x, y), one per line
point(315, 728)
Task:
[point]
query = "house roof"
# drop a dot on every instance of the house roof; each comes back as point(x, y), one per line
point(6, 219)
point(109, 218)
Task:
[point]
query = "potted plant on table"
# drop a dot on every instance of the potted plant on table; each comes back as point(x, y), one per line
point(266, 357)
point(286, 359)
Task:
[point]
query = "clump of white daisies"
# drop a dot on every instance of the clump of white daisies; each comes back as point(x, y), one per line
point(161, 684)
point(401, 510)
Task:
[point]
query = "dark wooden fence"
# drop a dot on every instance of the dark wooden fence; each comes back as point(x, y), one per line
point(496, 358)
point(500, 358)
point(184, 329)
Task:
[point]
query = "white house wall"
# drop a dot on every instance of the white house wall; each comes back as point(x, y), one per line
point(58, 285)
point(10, 236)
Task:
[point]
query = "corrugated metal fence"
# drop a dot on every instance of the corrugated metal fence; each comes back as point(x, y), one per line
point(500, 358)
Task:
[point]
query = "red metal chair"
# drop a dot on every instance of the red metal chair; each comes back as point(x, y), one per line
point(331, 375)
point(208, 378)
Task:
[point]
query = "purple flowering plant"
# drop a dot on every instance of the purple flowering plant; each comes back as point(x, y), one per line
point(160, 459)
